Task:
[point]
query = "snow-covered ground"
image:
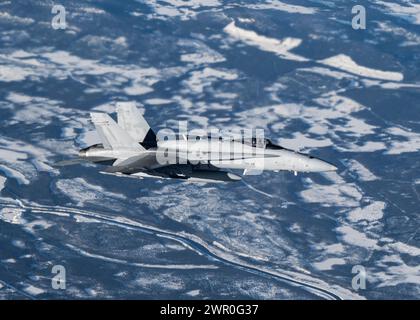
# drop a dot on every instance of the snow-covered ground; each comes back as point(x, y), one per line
point(293, 68)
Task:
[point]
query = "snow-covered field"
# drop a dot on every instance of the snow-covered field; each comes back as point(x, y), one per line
point(293, 68)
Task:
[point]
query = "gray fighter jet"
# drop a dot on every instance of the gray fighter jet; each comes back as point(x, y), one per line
point(131, 148)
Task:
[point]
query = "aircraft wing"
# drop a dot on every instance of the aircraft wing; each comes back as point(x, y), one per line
point(146, 160)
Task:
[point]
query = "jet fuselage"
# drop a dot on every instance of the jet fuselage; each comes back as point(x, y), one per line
point(218, 153)
point(131, 148)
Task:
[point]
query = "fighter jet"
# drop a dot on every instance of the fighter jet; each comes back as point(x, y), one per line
point(129, 147)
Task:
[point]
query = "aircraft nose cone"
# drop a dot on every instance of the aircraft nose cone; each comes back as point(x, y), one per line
point(330, 167)
point(318, 165)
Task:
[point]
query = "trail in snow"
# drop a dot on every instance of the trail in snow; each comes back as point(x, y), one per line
point(189, 241)
point(23, 293)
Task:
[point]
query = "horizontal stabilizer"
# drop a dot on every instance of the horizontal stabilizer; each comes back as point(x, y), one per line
point(146, 160)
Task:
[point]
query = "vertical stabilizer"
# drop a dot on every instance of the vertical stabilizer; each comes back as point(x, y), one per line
point(111, 134)
point(131, 120)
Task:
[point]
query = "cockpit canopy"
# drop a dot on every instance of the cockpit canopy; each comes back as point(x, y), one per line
point(270, 145)
point(255, 142)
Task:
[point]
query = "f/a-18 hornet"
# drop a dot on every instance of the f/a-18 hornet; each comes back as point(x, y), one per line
point(130, 147)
